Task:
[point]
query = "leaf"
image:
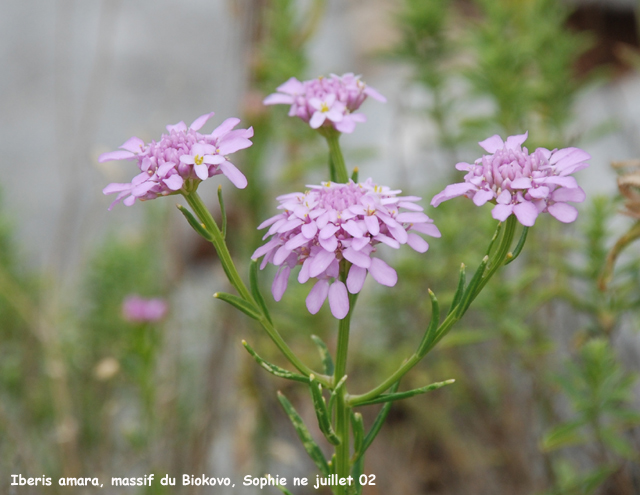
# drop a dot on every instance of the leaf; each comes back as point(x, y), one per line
point(619, 445)
point(460, 289)
point(377, 425)
point(255, 289)
point(325, 355)
point(273, 369)
point(392, 397)
point(470, 291)
point(322, 413)
point(195, 225)
point(246, 307)
point(432, 329)
point(519, 246)
point(564, 435)
point(305, 437)
point(222, 212)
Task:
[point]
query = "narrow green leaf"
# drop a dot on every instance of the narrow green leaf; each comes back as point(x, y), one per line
point(283, 490)
point(246, 307)
point(392, 397)
point(273, 369)
point(620, 445)
point(519, 246)
point(334, 392)
point(322, 412)
point(195, 225)
point(432, 329)
point(496, 234)
point(223, 212)
point(377, 424)
point(564, 435)
point(470, 291)
point(305, 437)
point(357, 425)
point(325, 355)
point(460, 289)
point(354, 175)
point(255, 289)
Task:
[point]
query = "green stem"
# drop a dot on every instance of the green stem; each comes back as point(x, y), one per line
point(496, 261)
point(230, 270)
point(343, 409)
point(337, 164)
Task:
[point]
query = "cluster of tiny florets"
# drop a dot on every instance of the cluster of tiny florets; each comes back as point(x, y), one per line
point(521, 183)
point(333, 222)
point(326, 101)
point(182, 158)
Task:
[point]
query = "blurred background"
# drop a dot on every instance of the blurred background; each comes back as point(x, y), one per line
point(95, 380)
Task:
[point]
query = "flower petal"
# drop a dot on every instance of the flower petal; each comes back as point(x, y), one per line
point(338, 300)
point(356, 278)
point(236, 177)
point(563, 212)
point(383, 273)
point(317, 296)
point(526, 213)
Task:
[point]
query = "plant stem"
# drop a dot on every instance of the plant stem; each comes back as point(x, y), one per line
point(230, 270)
point(337, 164)
point(343, 409)
point(498, 259)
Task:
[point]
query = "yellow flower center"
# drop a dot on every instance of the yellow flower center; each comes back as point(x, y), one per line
point(324, 108)
point(198, 159)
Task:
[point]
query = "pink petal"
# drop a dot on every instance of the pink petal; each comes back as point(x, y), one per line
point(277, 98)
point(563, 212)
point(383, 273)
point(369, 91)
point(174, 182)
point(317, 296)
point(412, 217)
point(200, 121)
point(227, 146)
point(482, 196)
point(116, 155)
point(501, 212)
point(236, 177)
point(338, 300)
point(116, 187)
point(452, 191)
point(133, 144)
point(225, 127)
point(426, 228)
point(330, 244)
point(309, 229)
point(417, 243)
point(492, 144)
point(565, 194)
point(262, 250)
point(514, 142)
point(317, 120)
point(521, 183)
point(373, 224)
point(320, 262)
point(280, 282)
point(296, 242)
point(356, 257)
point(356, 278)
point(202, 171)
point(526, 213)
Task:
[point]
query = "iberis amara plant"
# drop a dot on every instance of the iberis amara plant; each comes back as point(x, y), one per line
point(336, 234)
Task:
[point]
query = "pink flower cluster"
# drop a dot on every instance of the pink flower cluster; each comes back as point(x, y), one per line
point(182, 158)
point(520, 183)
point(326, 101)
point(332, 222)
point(140, 310)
